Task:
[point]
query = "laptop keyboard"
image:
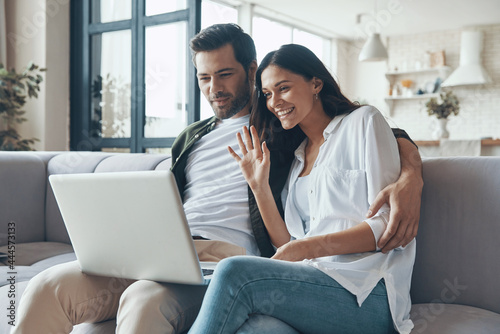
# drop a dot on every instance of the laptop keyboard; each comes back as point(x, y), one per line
point(207, 272)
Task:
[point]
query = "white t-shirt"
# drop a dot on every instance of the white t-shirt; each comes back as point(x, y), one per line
point(358, 159)
point(216, 193)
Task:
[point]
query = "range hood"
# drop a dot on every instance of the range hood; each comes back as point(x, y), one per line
point(470, 71)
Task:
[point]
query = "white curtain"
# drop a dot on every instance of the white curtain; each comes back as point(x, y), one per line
point(3, 34)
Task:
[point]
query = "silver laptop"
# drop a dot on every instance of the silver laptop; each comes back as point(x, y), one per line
point(129, 225)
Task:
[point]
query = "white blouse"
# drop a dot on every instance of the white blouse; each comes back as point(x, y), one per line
point(301, 202)
point(358, 159)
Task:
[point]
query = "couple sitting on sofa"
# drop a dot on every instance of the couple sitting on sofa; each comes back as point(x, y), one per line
point(344, 152)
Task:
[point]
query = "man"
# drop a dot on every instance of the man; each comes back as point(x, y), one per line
point(218, 205)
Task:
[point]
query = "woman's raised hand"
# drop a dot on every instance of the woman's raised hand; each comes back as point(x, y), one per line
point(255, 159)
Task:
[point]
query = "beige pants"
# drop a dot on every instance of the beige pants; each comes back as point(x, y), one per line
point(62, 296)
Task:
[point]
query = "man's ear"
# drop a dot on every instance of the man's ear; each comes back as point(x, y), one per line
point(252, 69)
point(317, 85)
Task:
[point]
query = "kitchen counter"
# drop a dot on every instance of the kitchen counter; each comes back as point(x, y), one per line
point(484, 142)
point(435, 148)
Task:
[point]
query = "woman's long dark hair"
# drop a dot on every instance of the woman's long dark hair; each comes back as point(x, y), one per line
point(302, 61)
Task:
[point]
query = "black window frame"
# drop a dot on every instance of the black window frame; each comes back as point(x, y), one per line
point(82, 29)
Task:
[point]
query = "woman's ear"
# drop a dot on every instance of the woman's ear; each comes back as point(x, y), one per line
point(317, 85)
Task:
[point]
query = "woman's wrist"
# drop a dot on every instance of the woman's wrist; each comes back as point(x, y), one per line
point(261, 190)
point(318, 246)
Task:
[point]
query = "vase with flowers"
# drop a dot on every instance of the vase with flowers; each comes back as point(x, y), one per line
point(447, 105)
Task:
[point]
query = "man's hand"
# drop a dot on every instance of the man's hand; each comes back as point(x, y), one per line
point(404, 198)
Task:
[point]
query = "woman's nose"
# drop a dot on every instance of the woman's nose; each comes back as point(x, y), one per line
point(274, 101)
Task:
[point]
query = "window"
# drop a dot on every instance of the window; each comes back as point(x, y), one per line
point(132, 87)
point(269, 35)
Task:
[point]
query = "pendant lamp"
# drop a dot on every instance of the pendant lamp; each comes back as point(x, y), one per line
point(373, 50)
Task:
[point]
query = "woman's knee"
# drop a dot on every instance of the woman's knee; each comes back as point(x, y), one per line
point(236, 265)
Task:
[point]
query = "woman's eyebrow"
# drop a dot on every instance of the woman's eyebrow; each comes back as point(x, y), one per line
point(277, 84)
point(280, 82)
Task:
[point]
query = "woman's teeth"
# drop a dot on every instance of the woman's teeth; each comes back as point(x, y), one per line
point(284, 112)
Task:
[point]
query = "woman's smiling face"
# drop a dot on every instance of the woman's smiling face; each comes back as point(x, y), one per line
point(289, 96)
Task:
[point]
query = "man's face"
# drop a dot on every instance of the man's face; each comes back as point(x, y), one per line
point(224, 82)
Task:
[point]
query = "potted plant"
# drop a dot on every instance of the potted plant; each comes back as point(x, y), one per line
point(15, 88)
point(448, 105)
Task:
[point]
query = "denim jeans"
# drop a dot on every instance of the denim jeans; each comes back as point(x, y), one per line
point(295, 293)
point(264, 324)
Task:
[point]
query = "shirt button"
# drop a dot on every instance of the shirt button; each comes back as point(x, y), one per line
point(314, 218)
point(310, 191)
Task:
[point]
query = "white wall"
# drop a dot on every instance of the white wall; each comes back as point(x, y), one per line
point(38, 30)
point(479, 115)
point(360, 81)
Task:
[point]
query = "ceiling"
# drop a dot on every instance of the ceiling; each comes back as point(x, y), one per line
point(395, 17)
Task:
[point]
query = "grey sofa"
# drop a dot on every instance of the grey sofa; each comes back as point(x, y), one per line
point(455, 285)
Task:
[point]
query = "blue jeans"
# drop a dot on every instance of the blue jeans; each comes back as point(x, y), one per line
point(264, 324)
point(299, 295)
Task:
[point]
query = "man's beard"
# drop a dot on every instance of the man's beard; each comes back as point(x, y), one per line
point(236, 105)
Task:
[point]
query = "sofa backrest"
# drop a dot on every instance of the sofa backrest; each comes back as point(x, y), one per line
point(91, 162)
point(458, 238)
point(22, 195)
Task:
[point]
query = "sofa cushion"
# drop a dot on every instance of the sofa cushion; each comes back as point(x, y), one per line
point(29, 253)
point(439, 318)
point(25, 273)
point(22, 196)
point(457, 241)
point(165, 164)
point(130, 162)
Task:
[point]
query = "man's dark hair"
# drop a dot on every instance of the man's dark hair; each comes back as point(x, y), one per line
point(218, 35)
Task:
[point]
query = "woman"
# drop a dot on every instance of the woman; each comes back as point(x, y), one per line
point(330, 276)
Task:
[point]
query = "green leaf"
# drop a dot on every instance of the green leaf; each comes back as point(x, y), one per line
point(15, 88)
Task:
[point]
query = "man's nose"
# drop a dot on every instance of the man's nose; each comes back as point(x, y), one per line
point(215, 87)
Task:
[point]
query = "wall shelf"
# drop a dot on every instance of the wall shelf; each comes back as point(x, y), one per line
point(442, 71)
point(390, 99)
point(394, 76)
point(413, 97)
